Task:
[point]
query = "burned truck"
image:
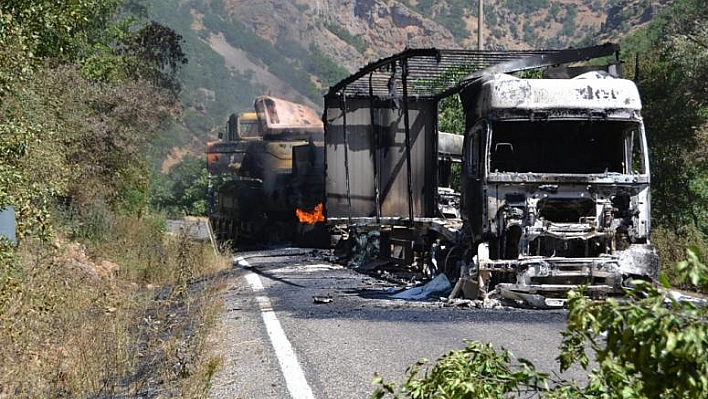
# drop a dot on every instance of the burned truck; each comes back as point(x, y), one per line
point(556, 185)
point(263, 177)
point(554, 179)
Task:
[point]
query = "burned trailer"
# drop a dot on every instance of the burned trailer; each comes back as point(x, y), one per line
point(556, 187)
point(383, 173)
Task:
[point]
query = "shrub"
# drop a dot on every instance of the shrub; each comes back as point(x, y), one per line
point(670, 243)
point(651, 346)
point(477, 371)
point(355, 41)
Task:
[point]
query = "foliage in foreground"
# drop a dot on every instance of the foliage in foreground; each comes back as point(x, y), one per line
point(477, 371)
point(650, 346)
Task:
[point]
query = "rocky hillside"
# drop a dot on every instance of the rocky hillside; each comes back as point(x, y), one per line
point(296, 49)
point(353, 32)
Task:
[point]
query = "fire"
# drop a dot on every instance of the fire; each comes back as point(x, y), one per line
point(316, 215)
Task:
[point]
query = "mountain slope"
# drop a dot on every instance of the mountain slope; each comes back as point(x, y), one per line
point(296, 49)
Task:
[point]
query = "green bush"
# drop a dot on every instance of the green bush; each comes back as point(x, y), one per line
point(183, 190)
point(568, 28)
point(650, 346)
point(477, 371)
point(450, 16)
point(522, 7)
point(670, 243)
point(320, 65)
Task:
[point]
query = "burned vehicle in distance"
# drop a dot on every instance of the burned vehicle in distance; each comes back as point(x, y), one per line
point(266, 177)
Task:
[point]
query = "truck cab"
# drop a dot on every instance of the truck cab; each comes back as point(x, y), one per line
point(224, 157)
point(555, 185)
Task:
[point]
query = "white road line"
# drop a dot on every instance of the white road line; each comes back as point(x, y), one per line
point(294, 376)
point(254, 281)
point(289, 365)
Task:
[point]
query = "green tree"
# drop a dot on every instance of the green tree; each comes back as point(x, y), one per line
point(62, 30)
point(673, 81)
point(155, 54)
point(451, 117)
point(65, 133)
point(183, 189)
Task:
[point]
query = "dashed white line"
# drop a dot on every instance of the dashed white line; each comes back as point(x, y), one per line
point(289, 365)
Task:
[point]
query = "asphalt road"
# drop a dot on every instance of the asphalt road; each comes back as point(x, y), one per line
point(329, 329)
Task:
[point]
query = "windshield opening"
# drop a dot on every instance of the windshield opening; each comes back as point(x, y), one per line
point(566, 147)
point(249, 128)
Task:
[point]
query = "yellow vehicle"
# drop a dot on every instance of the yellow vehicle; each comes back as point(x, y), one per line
point(225, 155)
point(270, 166)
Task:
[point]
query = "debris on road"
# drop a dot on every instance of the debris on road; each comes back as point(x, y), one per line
point(683, 297)
point(437, 287)
point(322, 299)
point(487, 303)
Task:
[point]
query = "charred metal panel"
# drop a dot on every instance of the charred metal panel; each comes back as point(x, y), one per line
point(450, 146)
point(349, 167)
point(225, 157)
point(423, 159)
point(363, 156)
point(308, 175)
point(281, 119)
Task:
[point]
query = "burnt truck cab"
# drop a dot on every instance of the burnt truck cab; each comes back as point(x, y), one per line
point(555, 187)
point(224, 156)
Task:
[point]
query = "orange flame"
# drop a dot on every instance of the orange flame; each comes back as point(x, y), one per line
point(316, 215)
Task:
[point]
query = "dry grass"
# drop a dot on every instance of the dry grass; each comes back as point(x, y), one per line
point(74, 324)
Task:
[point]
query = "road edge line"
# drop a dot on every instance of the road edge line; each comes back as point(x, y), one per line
point(289, 365)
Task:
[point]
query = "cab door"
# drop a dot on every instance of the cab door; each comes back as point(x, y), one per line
point(472, 178)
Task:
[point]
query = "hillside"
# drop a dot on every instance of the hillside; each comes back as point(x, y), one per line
point(296, 49)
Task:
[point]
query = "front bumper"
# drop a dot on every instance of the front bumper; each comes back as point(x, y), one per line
point(545, 281)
